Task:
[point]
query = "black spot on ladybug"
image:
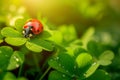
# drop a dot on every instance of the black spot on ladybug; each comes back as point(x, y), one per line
point(37, 30)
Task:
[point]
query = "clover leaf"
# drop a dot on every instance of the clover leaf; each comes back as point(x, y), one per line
point(83, 59)
point(10, 60)
point(14, 37)
point(63, 63)
point(10, 32)
point(19, 24)
point(106, 57)
point(68, 67)
point(55, 75)
point(99, 75)
point(102, 57)
point(10, 76)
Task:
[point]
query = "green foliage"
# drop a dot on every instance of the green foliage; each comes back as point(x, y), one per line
point(100, 75)
point(106, 57)
point(83, 57)
point(10, 32)
point(68, 54)
point(9, 59)
point(82, 65)
point(75, 58)
point(10, 76)
point(54, 75)
point(14, 37)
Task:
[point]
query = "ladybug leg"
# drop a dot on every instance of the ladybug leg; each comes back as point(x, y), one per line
point(30, 35)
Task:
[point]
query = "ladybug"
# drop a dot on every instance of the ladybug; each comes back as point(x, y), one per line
point(32, 27)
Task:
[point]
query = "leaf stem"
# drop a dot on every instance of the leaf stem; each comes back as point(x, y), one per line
point(92, 69)
point(45, 73)
point(36, 62)
point(20, 70)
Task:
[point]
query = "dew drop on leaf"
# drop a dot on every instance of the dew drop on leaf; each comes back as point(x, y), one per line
point(51, 59)
point(57, 58)
point(63, 75)
point(74, 67)
point(63, 67)
point(84, 74)
point(6, 56)
point(59, 64)
point(94, 64)
point(17, 65)
point(67, 71)
point(16, 58)
point(73, 75)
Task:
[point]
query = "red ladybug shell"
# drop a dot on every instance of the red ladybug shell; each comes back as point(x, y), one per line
point(36, 25)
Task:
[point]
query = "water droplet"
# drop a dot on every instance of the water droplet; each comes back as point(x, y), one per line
point(73, 75)
point(94, 64)
point(84, 74)
point(63, 67)
point(75, 67)
point(59, 64)
point(16, 58)
point(67, 71)
point(6, 55)
point(63, 75)
point(57, 58)
point(17, 65)
point(51, 59)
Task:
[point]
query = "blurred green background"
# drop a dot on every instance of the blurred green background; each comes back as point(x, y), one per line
point(104, 15)
point(81, 13)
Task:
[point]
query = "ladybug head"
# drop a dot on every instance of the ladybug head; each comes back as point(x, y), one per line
point(27, 32)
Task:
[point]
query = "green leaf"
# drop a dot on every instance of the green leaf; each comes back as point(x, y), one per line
point(33, 47)
point(78, 51)
point(67, 62)
point(55, 75)
point(56, 65)
point(7, 76)
point(106, 57)
point(56, 37)
point(5, 55)
point(94, 48)
point(10, 60)
point(19, 23)
point(15, 41)
point(104, 62)
point(40, 43)
point(83, 60)
point(21, 78)
point(10, 32)
point(68, 32)
point(16, 60)
point(44, 35)
point(99, 75)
